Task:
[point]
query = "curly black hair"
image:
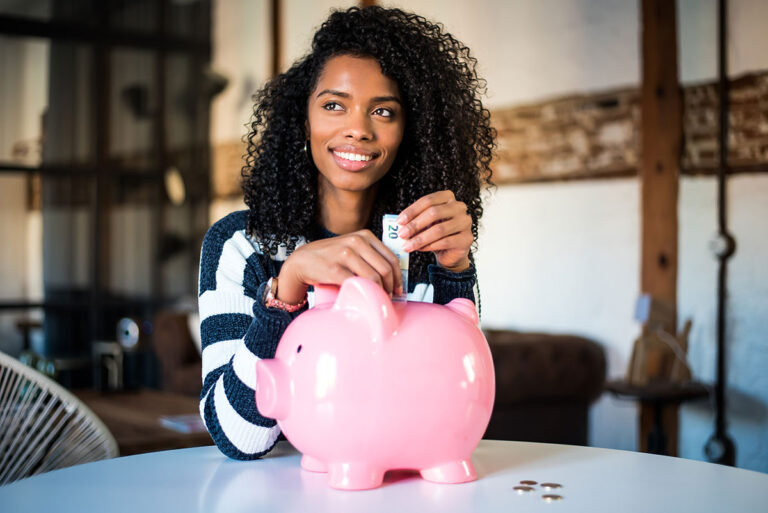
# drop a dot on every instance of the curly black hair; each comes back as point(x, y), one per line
point(447, 144)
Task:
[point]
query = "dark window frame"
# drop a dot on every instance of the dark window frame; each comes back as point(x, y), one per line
point(102, 38)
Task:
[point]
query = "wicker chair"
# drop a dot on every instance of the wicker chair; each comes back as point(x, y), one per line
point(44, 427)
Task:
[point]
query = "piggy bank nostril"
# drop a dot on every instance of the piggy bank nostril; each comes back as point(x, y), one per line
point(298, 349)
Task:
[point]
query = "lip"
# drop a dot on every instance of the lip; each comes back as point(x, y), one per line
point(353, 165)
point(348, 148)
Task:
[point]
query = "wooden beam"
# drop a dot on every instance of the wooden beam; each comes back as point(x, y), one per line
point(661, 136)
point(277, 35)
point(661, 140)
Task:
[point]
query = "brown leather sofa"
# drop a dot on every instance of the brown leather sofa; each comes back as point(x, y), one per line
point(544, 386)
point(180, 362)
point(544, 383)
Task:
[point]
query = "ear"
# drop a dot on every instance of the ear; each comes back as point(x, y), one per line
point(369, 300)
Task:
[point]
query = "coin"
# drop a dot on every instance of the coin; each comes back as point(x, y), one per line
point(528, 483)
point(552, 497)
point(523, 489)
point(551, 486)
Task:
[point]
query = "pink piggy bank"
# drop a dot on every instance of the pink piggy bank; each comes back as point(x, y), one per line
point(361, 386)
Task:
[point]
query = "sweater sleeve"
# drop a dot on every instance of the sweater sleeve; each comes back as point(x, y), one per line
point(449, 285)
point(236, 331)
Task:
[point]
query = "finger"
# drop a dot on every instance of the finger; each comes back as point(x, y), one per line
point(392, 265)
point(313, 265)
point(357, 261)
point(429, 217)
point(334, 274)
point(460, 241)
point(421, 204)
point(432, 215)
point(438, 230)
point(386, 265)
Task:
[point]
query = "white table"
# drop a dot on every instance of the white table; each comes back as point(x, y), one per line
point(202, 479)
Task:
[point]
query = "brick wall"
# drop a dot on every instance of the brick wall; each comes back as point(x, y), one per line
point(598, 135)
point(748, 125)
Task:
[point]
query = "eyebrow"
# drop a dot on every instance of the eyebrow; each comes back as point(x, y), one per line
point(375, 99)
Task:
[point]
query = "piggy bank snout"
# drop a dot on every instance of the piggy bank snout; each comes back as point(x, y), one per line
point(272, 389)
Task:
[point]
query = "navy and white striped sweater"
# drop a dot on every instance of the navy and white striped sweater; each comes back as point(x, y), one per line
point(237, 330)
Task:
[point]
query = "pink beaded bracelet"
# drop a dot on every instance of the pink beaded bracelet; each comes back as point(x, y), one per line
point(271, 301)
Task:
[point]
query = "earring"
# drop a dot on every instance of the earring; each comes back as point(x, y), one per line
point(308, 152)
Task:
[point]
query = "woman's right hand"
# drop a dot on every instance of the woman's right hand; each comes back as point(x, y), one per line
point(331, 261)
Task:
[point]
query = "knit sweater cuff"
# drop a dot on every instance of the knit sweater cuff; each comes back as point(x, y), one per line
point(267, 327)
point(449, 285)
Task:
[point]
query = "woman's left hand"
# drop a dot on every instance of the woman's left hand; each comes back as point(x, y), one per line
point(440, 224)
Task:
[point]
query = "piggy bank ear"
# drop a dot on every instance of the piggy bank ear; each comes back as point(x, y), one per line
point(325, 294)
point(465, 308)
point(371, 302)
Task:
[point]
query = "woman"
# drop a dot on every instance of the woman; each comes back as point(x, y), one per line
point(383, 116)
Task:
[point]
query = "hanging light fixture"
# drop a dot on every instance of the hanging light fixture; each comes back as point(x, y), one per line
point(720, 447)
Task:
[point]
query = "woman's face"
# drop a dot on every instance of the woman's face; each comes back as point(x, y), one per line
point(355, 121)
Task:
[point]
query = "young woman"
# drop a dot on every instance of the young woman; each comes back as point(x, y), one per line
point(383, 116)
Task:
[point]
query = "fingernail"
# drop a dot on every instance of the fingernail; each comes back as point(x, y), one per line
point(400, 219)
point(403, 232)
point(408, 246)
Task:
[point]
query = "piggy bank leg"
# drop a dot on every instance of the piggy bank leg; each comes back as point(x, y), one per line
point(354, 476)
point(451, 473)
point(312, 464)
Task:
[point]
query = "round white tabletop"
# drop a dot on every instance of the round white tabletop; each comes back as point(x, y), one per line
point(202, 479)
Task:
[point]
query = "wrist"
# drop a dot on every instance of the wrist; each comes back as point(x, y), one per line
point(462, 265)
point(270, 299)
point(291, 290)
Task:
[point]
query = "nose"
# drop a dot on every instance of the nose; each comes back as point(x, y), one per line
point(359, 127)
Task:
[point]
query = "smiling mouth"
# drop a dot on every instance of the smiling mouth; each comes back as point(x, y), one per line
point(354, 157)
point(352, 161)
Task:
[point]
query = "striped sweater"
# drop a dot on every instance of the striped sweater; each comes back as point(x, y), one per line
point(237, 330)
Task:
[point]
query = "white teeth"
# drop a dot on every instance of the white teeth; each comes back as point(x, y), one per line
point(353, 156)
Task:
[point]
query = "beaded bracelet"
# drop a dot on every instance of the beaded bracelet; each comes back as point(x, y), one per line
point(271, 301)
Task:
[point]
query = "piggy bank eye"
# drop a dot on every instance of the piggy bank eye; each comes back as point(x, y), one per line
point(298, 349)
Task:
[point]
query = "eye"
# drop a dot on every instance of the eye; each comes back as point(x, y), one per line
point(384, 112)
point(332, 106)
point(298, 349)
